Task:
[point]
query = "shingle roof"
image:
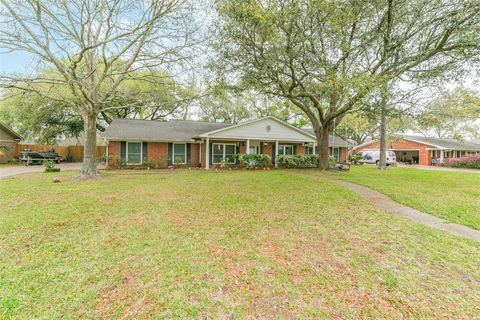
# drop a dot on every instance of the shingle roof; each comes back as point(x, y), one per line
point(450, 144)
point(174, 130)
point(332, 141)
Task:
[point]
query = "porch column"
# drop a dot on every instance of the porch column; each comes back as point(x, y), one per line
point(106, 155)
point(441, 156)
point(276, 153)
point(314, 146)
point(247, 150)
point(207, 153)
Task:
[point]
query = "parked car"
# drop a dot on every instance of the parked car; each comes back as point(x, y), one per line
point(373, 156)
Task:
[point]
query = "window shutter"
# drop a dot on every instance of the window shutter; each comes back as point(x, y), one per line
point(123, 150)
point(261, 147)
point(294, 149)
point(144, 151)
point(170, 153)
point(273, 153)
point(210, 156)
point(237, 151)
point(189, 152)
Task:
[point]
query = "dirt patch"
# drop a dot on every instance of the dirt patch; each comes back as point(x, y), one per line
point(128, 299)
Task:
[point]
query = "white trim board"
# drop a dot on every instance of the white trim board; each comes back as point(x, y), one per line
point(265, 129)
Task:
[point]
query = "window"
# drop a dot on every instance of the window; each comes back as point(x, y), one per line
point(335, 152)
point(179, 153)
point(309, 150)
point(254, 149)
point(223, 151)
point(134, 152)
point(285, 149)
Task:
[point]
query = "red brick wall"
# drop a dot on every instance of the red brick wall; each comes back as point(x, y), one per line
point(343, 154)
point(194, 154)
point(113, 152)
point(158, 152)
point(424, 154)
point(300, 149)
point(10, 154)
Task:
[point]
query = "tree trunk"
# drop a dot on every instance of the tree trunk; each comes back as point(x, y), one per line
point(323, 147)
point(383, 131)
point(89, 167)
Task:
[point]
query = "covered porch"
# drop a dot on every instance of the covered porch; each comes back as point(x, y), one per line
point(216, 151)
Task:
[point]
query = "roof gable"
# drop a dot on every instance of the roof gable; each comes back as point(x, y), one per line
point(268, 128)
point(8, 132)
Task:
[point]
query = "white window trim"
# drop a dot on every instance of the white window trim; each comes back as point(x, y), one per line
point(173, 153)
point(339, 152)
point(285, 145)
point(141, 152)
point(224, 149)
point(257, 149)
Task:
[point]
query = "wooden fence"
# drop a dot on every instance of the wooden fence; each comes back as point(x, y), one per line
point(75, 151)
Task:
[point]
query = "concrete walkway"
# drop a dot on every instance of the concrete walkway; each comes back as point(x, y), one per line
point(384, 202)
point(21, 169)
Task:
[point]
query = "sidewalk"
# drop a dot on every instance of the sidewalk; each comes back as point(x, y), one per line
point(384, 202)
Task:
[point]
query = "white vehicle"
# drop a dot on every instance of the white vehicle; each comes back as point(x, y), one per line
point(373, 156)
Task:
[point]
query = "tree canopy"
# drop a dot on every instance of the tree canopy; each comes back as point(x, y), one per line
point(325, 57)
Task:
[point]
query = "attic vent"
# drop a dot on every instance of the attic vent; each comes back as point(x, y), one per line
point(268, 128)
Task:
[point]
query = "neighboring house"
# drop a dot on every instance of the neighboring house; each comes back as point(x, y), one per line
point(9, 139)
point(186, 142)
point(422, 150)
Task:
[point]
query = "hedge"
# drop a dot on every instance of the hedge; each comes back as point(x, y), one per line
point(472, 162)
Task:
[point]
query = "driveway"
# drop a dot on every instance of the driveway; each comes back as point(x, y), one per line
point(440, 168)
point(21, 169)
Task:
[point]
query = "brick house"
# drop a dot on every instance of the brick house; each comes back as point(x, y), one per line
point(191, 143)
point(8, 139)
point(424, 150)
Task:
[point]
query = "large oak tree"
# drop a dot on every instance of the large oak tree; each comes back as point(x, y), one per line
point(327, 56)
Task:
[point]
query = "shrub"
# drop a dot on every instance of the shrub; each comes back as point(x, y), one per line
point(298, 161)
point(120, 163)
point(355, 158)
point(4, 148)
point(332, 161)
point(252, 160)
point(148, 163)
point(225, 162)
point(50, 166)
point(303, 161)
point(472, 162)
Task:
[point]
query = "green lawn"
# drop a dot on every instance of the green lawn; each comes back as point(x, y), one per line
point(453, 196)
point(8, 164)
point(265, 244)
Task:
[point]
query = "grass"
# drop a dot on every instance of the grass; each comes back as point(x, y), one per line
point(8, 165)
point(221, 245)
point(453, 196)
